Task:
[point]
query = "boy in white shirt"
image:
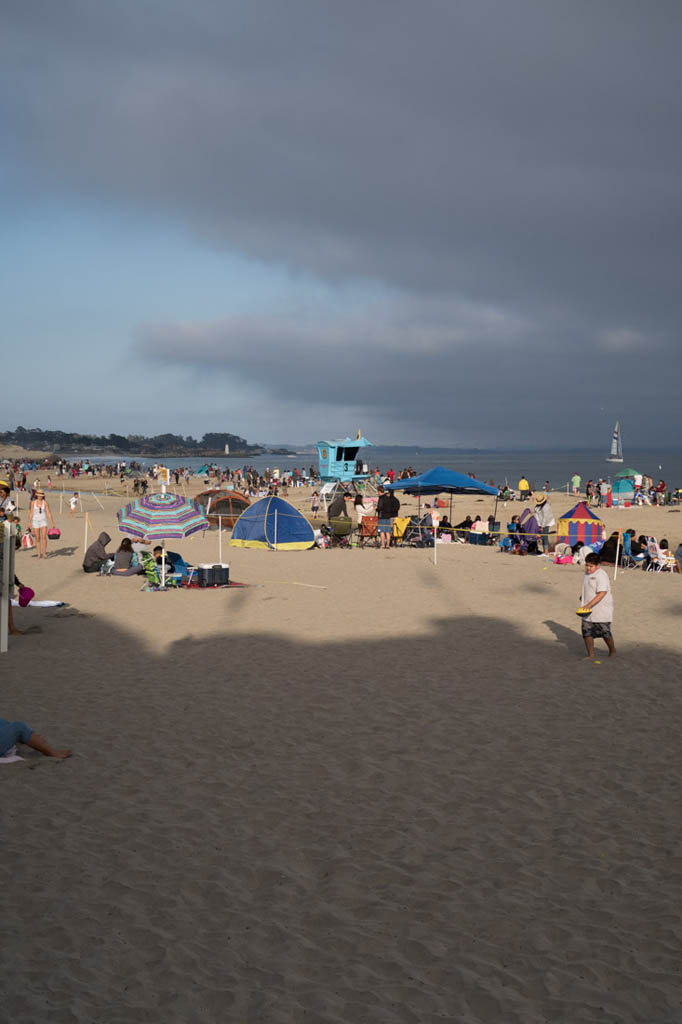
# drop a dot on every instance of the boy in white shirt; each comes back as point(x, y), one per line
point(596, 595)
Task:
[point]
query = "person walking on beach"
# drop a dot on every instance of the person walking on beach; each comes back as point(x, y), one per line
point(315, 504)
point(524, 489)
point(596, 595)
point(575, 483)
point(38, 517)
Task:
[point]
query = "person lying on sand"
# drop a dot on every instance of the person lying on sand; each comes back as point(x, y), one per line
point(12, 733)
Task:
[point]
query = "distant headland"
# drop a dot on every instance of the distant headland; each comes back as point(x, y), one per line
point(174, 445)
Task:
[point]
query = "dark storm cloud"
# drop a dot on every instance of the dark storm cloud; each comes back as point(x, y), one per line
point(464, 370)
point(521, 157)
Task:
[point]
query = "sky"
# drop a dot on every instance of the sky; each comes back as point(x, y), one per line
point(452, 222)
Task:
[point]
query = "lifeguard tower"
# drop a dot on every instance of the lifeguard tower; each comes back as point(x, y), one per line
point(340, 461)
point(342, 467)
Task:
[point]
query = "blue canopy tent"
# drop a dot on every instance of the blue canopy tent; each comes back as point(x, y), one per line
point(442, 481)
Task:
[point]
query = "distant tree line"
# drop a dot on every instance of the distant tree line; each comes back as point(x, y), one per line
point(161, 444)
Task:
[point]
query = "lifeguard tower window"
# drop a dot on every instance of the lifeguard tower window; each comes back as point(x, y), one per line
point(346, 454)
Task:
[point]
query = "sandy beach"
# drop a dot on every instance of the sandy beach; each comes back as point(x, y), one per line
point(363, 788)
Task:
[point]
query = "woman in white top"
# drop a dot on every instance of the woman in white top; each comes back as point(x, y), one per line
point(39, 516)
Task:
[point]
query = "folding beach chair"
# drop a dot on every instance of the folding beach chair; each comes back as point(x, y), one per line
point(400, 525)
point(152, 573)
point(341, 532)
point(369, 526)
point(658, 562)
point(627, 559)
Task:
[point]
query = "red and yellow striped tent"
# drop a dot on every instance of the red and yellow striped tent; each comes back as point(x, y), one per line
point(579, 525)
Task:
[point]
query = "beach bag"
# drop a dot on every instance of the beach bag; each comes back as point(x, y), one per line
point(54, 533)
point(28, 540)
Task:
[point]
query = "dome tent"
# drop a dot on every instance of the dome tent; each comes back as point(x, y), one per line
point(624, 486)
point(272, 523)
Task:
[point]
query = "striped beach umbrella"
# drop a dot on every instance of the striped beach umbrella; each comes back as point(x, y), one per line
point(161, 517)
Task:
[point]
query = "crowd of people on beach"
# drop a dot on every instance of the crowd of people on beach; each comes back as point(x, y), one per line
point(359, 504)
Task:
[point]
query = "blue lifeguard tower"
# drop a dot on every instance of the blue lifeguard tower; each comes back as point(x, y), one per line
point(340, 461)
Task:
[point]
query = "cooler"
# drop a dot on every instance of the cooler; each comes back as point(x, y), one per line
point(213, 575)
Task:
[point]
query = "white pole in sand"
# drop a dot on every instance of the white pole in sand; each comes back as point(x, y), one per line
point(220, 539)
point(435, 519)
point(6, 584)
point(275, 529)
point(615, 568)
point(85, 538)
point(60, 502)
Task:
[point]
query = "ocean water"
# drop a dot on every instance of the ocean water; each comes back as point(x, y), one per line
point(492, 466)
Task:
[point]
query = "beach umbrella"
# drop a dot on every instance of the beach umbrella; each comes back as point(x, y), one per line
point(161, 517)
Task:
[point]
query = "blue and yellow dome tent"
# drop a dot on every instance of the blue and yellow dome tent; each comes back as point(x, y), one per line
point(275, 524)
point(580, 525)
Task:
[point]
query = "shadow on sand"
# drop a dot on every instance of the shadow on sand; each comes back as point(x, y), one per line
point(464, 826)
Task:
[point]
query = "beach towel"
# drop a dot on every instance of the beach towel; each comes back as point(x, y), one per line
point(41, 604)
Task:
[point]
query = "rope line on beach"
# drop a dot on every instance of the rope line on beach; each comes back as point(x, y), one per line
point(295, 583)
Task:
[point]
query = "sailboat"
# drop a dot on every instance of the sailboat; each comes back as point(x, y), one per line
point(616, 446)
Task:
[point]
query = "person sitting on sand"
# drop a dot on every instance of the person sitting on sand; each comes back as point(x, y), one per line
point(175, 563)
point(464, 527)
point(125, 560)
point(96, 556)
point(160, 559)
point(608, 552)
point(678, 558)
point(445, 526)
point(12, 733)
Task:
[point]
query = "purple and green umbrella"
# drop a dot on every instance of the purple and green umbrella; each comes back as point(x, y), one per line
point(161, 517)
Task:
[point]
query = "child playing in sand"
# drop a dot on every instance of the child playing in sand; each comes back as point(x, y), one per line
point(73, 502)
point(596, 595)
point(315, 504)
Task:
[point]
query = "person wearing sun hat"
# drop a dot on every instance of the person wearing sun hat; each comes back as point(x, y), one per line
point(38, 517)
point(545, 519)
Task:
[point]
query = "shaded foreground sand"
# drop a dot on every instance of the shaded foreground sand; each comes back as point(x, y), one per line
point(363, 789)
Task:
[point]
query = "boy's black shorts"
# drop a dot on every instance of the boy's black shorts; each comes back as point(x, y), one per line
point(597, 630)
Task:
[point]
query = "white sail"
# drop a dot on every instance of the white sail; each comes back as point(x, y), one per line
point(616, 446)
